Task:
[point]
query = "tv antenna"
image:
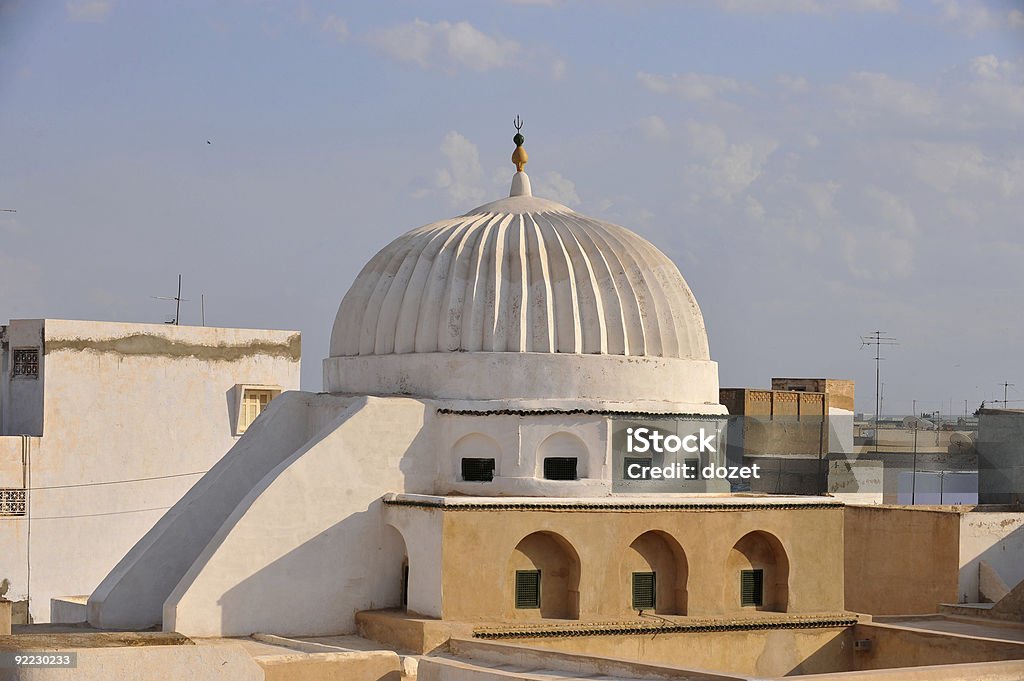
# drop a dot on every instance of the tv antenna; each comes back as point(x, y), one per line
point(178, 300)
point(1006, 386)
point(878, 339)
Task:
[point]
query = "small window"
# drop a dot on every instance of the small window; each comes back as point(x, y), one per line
point(253, 400)
point(477, 470)
point(751, 587)
point(560, 468)
point(644, 592)
point(642, 461)
point(527, 589)
point(26, 362)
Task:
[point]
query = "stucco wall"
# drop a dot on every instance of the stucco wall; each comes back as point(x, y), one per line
point(133, 415)
point(996, 538)
point(133, 593)
point(900, 560)
point(812, 540)
point(300, 553)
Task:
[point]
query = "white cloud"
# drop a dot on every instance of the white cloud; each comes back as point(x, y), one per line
point(695, 87)
point(806, 6)
point(336, 26)
point(89, 10)
point(552, 185)
point(725, 169)
point(998, 86)
point(461, 178)
point(653, 129)
point(795, 84)
point(974, 17)
point(880, 240)
point(444, 44)
point(869, 94)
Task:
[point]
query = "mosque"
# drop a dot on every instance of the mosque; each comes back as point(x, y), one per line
point(463, 481)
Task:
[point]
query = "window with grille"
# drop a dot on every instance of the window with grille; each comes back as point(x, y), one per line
point(644, 591)
point(478, 470)
point(560, 468)
point(26, 362)
point(752, 587)
point(254, 400)
point(641, 474)
point(527, 589)
point(13, 501)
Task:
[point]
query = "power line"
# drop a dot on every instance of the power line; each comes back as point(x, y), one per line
point(93, 515)
point(878, 340)
point(134, 479)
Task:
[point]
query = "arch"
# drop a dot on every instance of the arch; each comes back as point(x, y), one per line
point(393, 573)
point(475, 446)
point(563, 445)
point(559, 566)
point(658, 552)
point(759, 550)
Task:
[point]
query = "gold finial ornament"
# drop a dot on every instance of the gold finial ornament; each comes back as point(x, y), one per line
point(519, 156)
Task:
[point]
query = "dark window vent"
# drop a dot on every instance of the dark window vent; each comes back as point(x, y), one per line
point(478, 470)
point(560, 468)
point(752, 587)
point(644, 591)
point(26, 362)
point(527, 589)
point(642, 461)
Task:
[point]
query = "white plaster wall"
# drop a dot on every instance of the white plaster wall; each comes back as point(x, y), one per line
point(998, 539)
point(840, 425)
point(421, 529)
point(528, 375)
point(132, 595)
point(856, 482)
point(297, 556)
point(11, 465)
point(143, 406)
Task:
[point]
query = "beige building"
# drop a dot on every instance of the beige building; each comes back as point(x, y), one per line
point(104, 426)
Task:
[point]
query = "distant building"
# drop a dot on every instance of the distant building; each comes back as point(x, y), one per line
point(1000, 446)
point(103, 426)
point(792, 430)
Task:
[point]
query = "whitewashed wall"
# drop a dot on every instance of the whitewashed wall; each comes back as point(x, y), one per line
point(146, 407)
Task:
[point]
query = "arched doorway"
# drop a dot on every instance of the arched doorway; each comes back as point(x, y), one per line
point(654, 573)
point(544, 578)
point(757, 574)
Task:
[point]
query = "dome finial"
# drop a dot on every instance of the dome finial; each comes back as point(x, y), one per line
point(519, 156)
point(520, 181)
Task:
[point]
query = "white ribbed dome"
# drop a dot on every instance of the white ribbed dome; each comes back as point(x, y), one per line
point(521, 274)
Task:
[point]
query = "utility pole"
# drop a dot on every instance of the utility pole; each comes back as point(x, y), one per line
point(878, 339)
point(913, 480)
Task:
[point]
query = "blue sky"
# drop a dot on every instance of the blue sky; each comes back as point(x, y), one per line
point(818, 169)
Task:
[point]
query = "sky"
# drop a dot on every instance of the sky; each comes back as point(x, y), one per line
point(818, 169)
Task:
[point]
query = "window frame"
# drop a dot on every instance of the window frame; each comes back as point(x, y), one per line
point(533, 604)
point(654, 590)
point(478, 459)
point(575, 467)
point(238, 423)
point(756, 599)
point(14, 362)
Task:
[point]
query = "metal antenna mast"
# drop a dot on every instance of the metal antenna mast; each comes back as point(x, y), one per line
point(178, 300)
point(1005, 387)
point(877, 339)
